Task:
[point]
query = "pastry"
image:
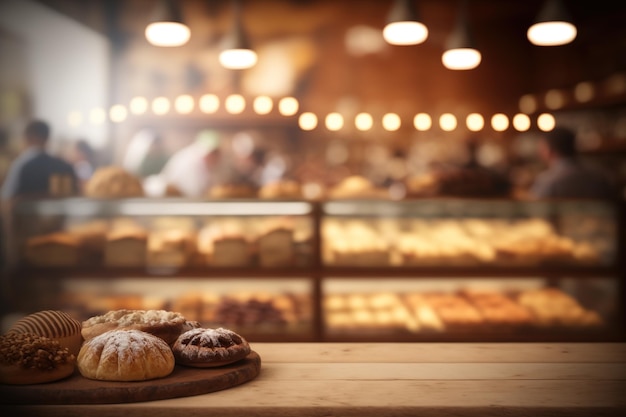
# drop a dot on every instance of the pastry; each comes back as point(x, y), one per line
point(276, 246)
point(125, 355)
point(113, 182)
point(282, 189)
point(206, 348)
point(126, 247)
point(26, 358)
point(167, 325)
point(55, 249)
point(56, 325)
point(235, 190)
point(356, 186)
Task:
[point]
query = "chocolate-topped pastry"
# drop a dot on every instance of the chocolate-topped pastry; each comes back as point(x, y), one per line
point(206, 348)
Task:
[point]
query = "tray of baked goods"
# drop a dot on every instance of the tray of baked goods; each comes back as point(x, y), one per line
point(122, 356)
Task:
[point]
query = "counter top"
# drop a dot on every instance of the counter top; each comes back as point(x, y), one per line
point(383, 379)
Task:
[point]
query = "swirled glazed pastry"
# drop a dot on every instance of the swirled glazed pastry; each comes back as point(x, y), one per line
point(56, 325)
point(125, 355)
point(206, 348)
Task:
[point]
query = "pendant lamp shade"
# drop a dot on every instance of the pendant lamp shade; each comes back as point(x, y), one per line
point(461, 52)
point(166, 27)
point(236, 50)
point(403, 27)
point(553, 25)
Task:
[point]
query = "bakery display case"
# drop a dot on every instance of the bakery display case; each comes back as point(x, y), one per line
point(341, 270)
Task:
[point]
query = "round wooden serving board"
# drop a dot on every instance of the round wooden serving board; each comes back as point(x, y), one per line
point(182, 382)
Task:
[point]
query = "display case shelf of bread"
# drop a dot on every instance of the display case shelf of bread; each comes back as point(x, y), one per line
point(250, 312)
point(460, 311)
point(461, 241)
point(277, 241)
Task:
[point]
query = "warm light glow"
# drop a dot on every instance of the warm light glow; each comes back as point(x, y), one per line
point(391, 122)
point(546, 122)
point(499, 122)
point(551, 33)
point(262, 105)
point(138, 105)
point(160, 105)
point(118, 113)
point(363, 121)
point(307, 121)
point(555, 99)
point(584, 91)
point(521, 122)
point(235, 104)
point(167, 34)
point(238, 58)
point(74, 118)
point(475, 122)
point(209, 103)
point(184, 104)
point(422, 122)
point(527, 104)
point(447, 122)
point(405, 33)
point(97, 116)
point(461, 58)
point(334, 121)
point(288, 106)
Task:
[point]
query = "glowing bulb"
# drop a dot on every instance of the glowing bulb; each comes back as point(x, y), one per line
point(262, 105)
point(138, 105)
point(527, 104)
point(499, 122)
point(307, 121)
point(160, 106)
point(405, 33)
point(235, 104)
point(363, 121)
point(118, 113)
point(461, 58)
point(555, 99)
point(209, 103)
point(521, 122)
point(422, 121)
point(184, 104)
point(584, 91)
point(288, 106)
point(391, 122)
point(551, 33)
point(447, 122)
point(167, 34)
point(475, 122)
point(546, 122)
point(238, 58)
point(334, 121)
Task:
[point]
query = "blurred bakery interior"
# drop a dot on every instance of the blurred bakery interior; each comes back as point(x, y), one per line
point(368, 187)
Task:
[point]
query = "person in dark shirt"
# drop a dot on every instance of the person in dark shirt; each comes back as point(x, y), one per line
point(567, 176)
point(37, 173)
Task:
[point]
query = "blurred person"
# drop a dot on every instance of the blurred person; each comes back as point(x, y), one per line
point(32, 172)
point(154, 160)
point(194, 168)
point(83, 158)
point(566, 176)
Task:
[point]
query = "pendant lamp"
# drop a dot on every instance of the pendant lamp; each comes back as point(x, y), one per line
point(461, 52)
point(403, 27)
point(553, 25)
point(236, 51)
point(166, 27)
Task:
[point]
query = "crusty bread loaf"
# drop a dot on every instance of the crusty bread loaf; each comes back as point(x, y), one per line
point(125, 355)
point(27, 358)
point(113, 182)
point(56, 325)
point(167, 325)
point(206, 348)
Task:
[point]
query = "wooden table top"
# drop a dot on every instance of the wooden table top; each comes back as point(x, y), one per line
point(351, 379)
